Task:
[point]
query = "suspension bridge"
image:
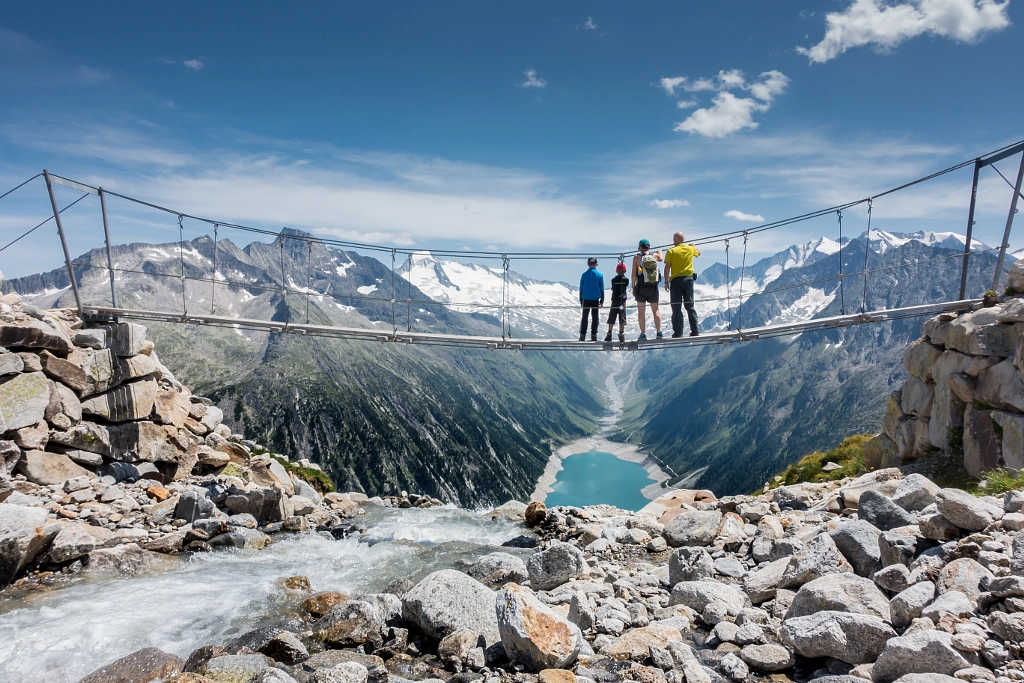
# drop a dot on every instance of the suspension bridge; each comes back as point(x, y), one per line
point(734, 332)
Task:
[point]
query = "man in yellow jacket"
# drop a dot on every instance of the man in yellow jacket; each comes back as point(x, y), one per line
point(679, 275)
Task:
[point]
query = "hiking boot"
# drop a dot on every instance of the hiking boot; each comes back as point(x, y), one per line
point(642, 337)
point(583, 337)
point(608, 337)
point(695, 334)
point(622, 337)
point(660, 335)
point(593, 337)
point(677, 335)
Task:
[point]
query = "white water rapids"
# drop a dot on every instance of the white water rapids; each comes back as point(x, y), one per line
point(63, 633)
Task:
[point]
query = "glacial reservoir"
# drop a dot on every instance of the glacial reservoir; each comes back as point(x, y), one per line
point(593, 478)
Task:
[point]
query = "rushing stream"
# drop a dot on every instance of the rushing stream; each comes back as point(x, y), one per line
point(61, 634)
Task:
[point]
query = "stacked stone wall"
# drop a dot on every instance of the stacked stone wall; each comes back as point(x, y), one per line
point(964, 395)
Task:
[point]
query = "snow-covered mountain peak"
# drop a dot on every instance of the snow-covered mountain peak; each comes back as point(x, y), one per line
point(882, 241)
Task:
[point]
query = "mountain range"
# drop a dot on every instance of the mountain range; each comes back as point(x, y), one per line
point(477, 427)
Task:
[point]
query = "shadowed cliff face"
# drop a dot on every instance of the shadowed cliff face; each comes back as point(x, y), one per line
point(469, 427)
point(746, 411)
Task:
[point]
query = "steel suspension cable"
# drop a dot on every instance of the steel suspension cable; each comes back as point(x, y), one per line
point(394, 321)
point(14, 189)
point(32, 230)
point(213, 280)
point(867, 250)
point(728, 276)
point(181, 259)
point(309, 276)
point(842, 296)
point(743, 268)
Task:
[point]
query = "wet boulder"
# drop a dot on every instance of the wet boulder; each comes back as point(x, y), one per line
point(448, 600)
point(349, 624)
point(147, 664)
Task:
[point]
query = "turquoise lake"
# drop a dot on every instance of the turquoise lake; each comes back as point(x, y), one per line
point(594, 478)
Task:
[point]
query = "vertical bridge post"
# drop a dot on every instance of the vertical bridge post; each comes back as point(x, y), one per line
point(970, 229)
point(63, 242)
point(1009, 224)
point(106, 237)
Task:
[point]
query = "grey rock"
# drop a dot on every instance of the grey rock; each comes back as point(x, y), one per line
point(580, 611)
point(97, 338)
point(725, 631)
point(148, 664)
point(128, 339)
point(953, 602)
point(937, 527)
point(43, 468)
point(689, 563)
point(858, 542)
point(966, 511)
point(23, 400)
point(924, 652)
point(1009, 627)
point(448, 600)
point(35, 334)
point(896, 548)
point(662, 658)
point(127, 559)
point(1007, 587)
point(71, 542)
point(241, 538)
point(193, 505)
point(894, 578)
point(388, 606)
point(786, 547)
point(767, 658)
point(11, 363)
point(818, 558)
point(729, 566)
point(908, 604)
point(86, 436)
point(18, 517)
point(131, 401)
point(351, 623)
point(733, 667)
point(840, 593)
point(851, 638)
point(18, 549)
point(964, 575)
point(554, 566)
point(1017, 556)
point(235, 667)
point(693, 528)
point(882, 512)
point(265, 504)
point(346, 672)
point(502, 566)
point(143, 441)
point(699, 594)
point(272, 675)
point(761, 584)
point(915, 492)
point(532, 634)
point(243, 520)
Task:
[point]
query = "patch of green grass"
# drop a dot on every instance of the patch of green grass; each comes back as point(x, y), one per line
point(980, 405)
point(315, 478)
point(998, 481)
point(849, 455)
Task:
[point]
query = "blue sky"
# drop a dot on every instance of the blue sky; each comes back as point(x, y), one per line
point(512, 126)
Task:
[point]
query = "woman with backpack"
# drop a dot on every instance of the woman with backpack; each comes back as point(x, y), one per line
point(645, 278)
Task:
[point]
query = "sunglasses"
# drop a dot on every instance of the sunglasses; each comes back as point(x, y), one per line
point(645, 246)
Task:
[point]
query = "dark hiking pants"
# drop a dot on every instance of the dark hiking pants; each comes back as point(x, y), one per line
point(681, 293)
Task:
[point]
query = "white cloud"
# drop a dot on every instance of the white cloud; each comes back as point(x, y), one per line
point(165, 60)
point(194, 64)
point(670, 84)
point(669, 203)
point(18, 42)
point(589, 24)
point(687, 104)
point(884, 26)
point(90, 76)
point(532, 81)
point(729, 113)
point(740, 216)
